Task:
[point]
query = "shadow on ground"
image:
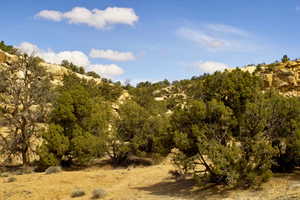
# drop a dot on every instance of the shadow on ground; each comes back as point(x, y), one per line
point(185, 189)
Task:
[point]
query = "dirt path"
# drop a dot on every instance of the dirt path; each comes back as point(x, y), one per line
point(142, 183)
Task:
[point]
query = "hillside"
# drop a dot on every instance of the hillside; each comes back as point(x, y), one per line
point(225, 130)
point(57, 71)
point(283, 76)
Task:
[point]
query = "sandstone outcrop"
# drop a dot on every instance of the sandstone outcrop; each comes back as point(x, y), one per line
point(282, 76)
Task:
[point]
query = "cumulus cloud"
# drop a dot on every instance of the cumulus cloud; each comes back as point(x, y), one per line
point(77, 57)
point(108, 71)
point(112, 55)
point(96, 18)
point(210, 66)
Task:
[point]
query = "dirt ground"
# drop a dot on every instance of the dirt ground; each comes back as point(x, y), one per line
point(140, 183)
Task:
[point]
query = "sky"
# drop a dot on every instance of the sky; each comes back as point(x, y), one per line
point(152, 40)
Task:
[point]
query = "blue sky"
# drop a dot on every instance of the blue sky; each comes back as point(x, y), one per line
point(153, 39)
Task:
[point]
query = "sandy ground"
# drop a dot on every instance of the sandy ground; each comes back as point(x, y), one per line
point(141, 183)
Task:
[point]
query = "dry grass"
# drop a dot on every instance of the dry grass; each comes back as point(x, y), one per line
point(145, 183)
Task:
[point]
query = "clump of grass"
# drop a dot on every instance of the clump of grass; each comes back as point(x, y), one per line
point(53, 169)
point(10, 179)
point(4, 175)
point(99, 193)
point(19, 172)
point(77, 193)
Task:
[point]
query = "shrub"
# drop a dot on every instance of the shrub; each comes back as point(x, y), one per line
point(138, 132)
point(204, 137)
point(78, 127)
point(98, 193)
point(77, 193)
point(7, 48)
point(285, 58)
point(4, 175)
point(10, 179)
point(93, 74)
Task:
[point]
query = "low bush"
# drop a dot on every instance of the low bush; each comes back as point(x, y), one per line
point(98, 193)
point(10, 180)
point(77, 193)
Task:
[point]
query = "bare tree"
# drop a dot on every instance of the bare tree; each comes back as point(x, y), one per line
point(24, 104)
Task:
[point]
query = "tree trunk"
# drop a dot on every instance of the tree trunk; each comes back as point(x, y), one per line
point(25, 158)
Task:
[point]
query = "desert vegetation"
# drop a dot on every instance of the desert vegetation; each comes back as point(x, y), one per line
point(227, 128)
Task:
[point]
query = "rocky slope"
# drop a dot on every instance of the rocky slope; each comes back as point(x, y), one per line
point(57, 71)
point(284, 76)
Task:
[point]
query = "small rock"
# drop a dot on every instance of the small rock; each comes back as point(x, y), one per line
point(99, 193)
point(77, 193)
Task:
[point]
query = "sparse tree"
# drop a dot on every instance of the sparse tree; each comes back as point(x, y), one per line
point(24, 100)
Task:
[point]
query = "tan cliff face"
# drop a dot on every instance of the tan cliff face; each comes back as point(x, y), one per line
point(57, 71)
point(284, 77)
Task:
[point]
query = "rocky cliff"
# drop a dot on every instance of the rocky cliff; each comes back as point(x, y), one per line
point(283, 76)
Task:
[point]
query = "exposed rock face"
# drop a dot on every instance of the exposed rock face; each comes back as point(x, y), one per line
point(283, 76)
point(57, 71)
point(2, 57)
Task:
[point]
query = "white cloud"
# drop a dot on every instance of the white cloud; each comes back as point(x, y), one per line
point(210, 66)
point(77, 57)
point(216, 37)
point(51, 15)
point(28, 48)
point(99, 19)
point(107, 71)
point(201, 38)
point(112, 55)
point(222, 28)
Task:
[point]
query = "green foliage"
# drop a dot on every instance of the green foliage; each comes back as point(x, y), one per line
point(236, 133)
point(57, 145)
point(204, 137)
point(144, 95)
point(285, 58)
point(138, 132)
point(92, 74)
point(284, 130)
point(7, 48)
point(78, 126)
point(108, 91)
point(72, 67)
point(233, 88)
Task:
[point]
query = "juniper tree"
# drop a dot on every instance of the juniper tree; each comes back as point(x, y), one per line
point(25, 95)
point(78, 126)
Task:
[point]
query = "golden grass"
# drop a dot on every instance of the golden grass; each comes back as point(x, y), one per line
point(147, 183)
